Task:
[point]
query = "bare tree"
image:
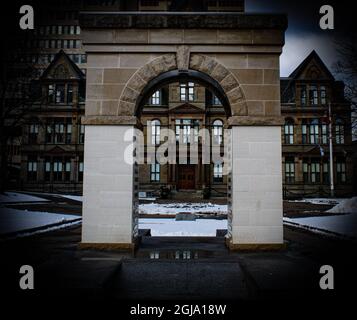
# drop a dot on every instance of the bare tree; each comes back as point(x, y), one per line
point(17, 99)
point(346, 69)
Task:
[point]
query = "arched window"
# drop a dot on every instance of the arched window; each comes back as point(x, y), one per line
point(289, 131)
point(218, 132)
point(340, 131)
point(155, 132)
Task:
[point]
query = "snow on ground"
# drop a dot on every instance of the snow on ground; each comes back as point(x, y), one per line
point(174, 208)
point(343, 225)
point(76, 198)
point(330, 201)
point(13, 220)
point(345, 206)
point(171, 227)
point(10, 197)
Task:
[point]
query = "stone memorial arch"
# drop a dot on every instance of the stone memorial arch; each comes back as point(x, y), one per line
point(237, 57)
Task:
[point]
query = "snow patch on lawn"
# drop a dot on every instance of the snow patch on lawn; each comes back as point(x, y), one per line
point(171, 227)
point(13, 220)
point(345, 206)
point(174, 208)
point(327, 201)
point(11, 197)
point(343, 225)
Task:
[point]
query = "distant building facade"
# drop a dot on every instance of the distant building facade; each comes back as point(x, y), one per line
point(49, 151)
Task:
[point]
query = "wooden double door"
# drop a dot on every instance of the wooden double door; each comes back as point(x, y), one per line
point(186, 177)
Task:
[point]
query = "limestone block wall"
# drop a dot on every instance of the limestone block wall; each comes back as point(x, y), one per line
point(107, 187)
point(257, 213)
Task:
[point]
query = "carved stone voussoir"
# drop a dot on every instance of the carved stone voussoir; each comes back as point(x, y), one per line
point(126, 108)
point(235, 95)
point(183, 58)
point(229, 83)
point(129, 95)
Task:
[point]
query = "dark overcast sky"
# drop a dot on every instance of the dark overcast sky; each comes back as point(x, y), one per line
point(304, 34)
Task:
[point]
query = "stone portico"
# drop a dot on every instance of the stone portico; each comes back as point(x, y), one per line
point(238, 54)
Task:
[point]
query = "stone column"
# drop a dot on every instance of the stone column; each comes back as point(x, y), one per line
point(256, 188)
point(107, 188)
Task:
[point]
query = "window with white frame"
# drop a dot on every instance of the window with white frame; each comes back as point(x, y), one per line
point(155, 132)
point(156, 98)
point(187, 91)
point(289, 131)
point(187, 130)
point(32, 169)
point(289, 170)
point(155, 172)
point(218, 132)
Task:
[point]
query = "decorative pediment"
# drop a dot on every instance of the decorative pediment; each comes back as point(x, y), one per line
point(57, 150)
point(62, 68)
point(187, 108)
point(312, 68)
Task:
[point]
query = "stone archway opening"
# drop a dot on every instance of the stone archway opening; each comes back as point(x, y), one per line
point(192, 110)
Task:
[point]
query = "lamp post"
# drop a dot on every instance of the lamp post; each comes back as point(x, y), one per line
point(332, 185)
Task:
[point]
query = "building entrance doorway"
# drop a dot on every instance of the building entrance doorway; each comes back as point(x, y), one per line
point(186, 177)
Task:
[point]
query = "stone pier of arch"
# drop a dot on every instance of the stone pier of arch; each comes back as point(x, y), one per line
point(240, 54)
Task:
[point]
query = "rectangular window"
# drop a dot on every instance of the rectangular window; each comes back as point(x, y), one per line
point(69, 93)
point(186, 129)
point(67, 170)
point(216, 101)
point(48, 167)
point(313, 95)
point(339, 134)
point(80, 170)
point(305, 167)
point(155, 172)
point(304, 134)
point(323, 99)
point(81, 134)
point(314, 133)
point(326, 172)
point(218, 172)
point(60, 93)
point(289, 170)
point(57, 170)
point(289, 133)
point(156, 98)
point(32, 170)
point(315, 171)
point(49, 133)
point(324, 134)
point(68, 133)
point(51, 93)
point(303, 96)
point(187, 91)
point(341, 171)
point(33, 133)
point(59, 133)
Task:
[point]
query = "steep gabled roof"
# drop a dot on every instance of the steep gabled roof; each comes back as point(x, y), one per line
point(314, 64)
point(63, 68)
